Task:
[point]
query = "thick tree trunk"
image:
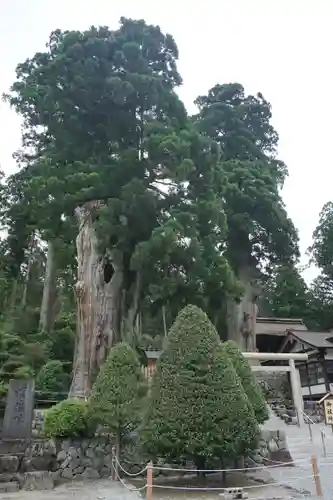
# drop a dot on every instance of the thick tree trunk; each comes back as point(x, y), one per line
point(98, 295)
point(27, 277)
point(242, 314)
point(164, 321)
point(130, 323)
point(25, 285)
point(13, 294)
point(49, 291)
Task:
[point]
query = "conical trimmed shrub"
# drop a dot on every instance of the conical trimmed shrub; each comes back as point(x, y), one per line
point(250, 385)
point(197, 407)
point(118, 391)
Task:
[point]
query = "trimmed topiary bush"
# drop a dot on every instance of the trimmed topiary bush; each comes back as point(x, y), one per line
point(67, 419)
point(197, 408)
point(250, 385)
point(117, 394)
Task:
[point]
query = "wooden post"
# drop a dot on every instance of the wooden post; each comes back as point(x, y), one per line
point(150, 481)
point(316, 476)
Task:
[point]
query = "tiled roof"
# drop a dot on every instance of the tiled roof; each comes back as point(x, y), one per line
point(314, 339)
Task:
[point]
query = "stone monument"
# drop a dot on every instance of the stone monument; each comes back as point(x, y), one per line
point(19, 410)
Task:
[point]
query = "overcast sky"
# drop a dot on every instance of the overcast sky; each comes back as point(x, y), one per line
point(281, 48)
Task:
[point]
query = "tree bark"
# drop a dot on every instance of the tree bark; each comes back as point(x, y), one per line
point(164, 321)
point(27, 277)
point(242, 314)
point(130, 326)
point(98, 296)
point(49, 291)
point(12, 299)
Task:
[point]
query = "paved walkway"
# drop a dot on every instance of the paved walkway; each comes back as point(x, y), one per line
point(301, 449)
point(103, 490)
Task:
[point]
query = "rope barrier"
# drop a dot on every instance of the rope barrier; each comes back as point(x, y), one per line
point(130, 474)
point(189, 488)
point(149, 468)
point(126, 486)
point(258, 467)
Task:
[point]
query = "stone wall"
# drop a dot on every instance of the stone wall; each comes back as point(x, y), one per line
point(84, 459)
point(40, 464)
point(27, 465)
point(24, 463)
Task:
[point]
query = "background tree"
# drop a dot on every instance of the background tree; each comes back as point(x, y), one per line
point(322, 302)
point(52, 380)
point(322, 246)
point(197, 407)
point(259, 230)
point(285, 294)
point(321, 253)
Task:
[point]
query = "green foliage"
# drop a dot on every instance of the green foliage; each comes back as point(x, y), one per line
point(197, 407)
point(185, 202)
point(286, 295)
point(52, 379)
point(62, 343)
point(3, 390)
point(162, 186)
point(248, 380)
point(24, 372)
point(322, 302)
point(321, 253)
point(257, 219)
point(117, 395)
point(67, 419)
point(322, 247)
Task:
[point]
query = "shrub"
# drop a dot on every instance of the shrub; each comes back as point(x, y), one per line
point(24, 372)
point(67, 419)
point(3, 391)
point(197, 407)
point(250, 385)
point(62, 343)
point(52, 379)
point(116, 400)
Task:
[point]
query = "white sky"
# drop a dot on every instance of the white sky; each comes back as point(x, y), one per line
point(281, 48)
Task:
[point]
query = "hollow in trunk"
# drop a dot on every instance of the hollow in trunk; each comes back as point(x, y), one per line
point(98, 296)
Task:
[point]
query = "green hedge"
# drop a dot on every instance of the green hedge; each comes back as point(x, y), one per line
point(67, 419)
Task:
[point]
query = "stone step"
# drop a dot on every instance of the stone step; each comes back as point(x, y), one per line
point(13, 446)
point(8, 477)
point(11, 487)
point(36, 480)
point(9, 463)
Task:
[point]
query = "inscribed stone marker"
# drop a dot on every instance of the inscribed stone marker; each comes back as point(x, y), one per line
point(19, 409)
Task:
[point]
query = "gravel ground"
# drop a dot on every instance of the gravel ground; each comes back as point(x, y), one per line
point(101, 490)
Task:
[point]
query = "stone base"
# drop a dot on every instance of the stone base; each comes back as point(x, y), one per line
point(272, 447)
point(38, 480)
point(279, 457)
point(11, 487)
point(13, 446)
